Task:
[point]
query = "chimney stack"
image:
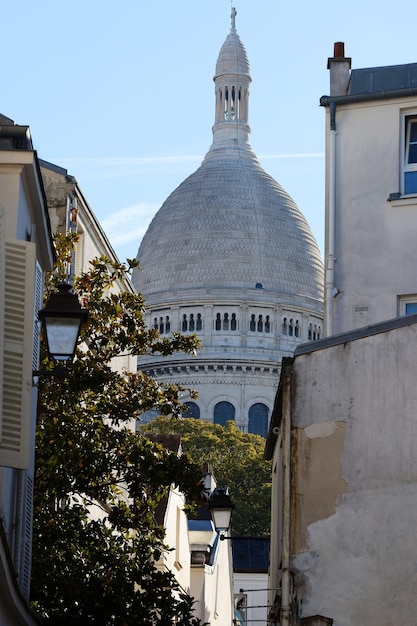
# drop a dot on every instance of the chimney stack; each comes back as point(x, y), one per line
point(339, 67)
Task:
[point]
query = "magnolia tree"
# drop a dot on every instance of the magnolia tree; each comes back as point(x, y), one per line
point(97, 483)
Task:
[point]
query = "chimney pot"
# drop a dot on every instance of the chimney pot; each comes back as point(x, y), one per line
point(339, 49)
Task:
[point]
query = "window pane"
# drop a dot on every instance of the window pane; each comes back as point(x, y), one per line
point(193, 410)
point(258, 419)
point(410, 180)
point(410, 308)
point(223, 412)
point(413, 131)
point(412, 153)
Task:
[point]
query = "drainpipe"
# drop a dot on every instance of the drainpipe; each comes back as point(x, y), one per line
point(286, 492)
point(330, 258)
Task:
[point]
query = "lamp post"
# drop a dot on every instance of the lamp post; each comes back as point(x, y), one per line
point(61, 319)
point(221, 507)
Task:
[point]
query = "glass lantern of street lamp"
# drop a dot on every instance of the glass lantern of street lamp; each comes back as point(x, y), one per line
point(62, 318)
point(221, 508)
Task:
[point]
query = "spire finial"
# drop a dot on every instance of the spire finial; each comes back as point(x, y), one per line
point(233, 16)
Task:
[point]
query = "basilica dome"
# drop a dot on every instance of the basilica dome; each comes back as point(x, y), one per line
point(230, 257)
point(230, 225)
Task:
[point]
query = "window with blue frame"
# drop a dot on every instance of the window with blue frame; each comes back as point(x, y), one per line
point(223, 412)
point(407, 305)
point(258, 419)
point(193, 410)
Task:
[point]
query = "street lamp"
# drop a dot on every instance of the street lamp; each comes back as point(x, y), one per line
point(221, 507)
point(61, 318)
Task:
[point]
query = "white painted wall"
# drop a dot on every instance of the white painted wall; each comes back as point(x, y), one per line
point(374, 237)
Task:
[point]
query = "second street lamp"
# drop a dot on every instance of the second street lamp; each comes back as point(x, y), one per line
point(221, 508)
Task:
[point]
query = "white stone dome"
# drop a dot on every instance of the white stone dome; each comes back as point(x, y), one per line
point(230, 225)
point(232, 56)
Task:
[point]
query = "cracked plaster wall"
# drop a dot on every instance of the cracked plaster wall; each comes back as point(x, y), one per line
point(354, 481)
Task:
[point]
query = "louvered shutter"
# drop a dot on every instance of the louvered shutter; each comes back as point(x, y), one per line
point(22, 539)
point(17, 274)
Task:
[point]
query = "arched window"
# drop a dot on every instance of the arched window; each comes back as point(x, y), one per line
point(291, 328)
point(193, 410)
point(161, 325)
point(252, 325)
point(226, 321)
point(184, 323)
point(297, 329)
point(218, 322)
point(192, 323)
point(267, 324)
point(223, 412)
point(167, 324)
point(260, 324)
point(258, 419)
point(284, 326)
point(199, 322)
point(155, 323)
point(233, 323)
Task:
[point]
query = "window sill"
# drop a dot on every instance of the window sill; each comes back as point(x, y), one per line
point(395, 199)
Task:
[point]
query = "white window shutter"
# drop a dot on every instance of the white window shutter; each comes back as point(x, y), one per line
point(18, 261)
point(39, 284)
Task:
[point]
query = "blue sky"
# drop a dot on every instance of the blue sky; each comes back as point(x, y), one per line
point(121, 93)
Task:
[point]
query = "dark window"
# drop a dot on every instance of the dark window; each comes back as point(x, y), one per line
point(199, 322)
point(284, 326)
point(291, 328)
point(161, 325)
point(252, 325)
point(184, 323)
point(297, 329)
point(260, 324)
point(258, 419)
point(226, 321)
point(267, 324)
point(233, 323)
point(192, 410)
point(167, 324)
point(192, 324)
point(155, 323)
point(218, 321)
point(223, 412)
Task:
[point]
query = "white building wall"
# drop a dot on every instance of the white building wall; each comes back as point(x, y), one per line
point(25, 254)
point(375, 255)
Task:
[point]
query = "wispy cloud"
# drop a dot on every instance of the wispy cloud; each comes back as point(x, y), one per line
point(127, 161)
point(121, 161)
point(295, 155)
point(130, 223)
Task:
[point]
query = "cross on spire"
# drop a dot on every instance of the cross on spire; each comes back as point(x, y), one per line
point(233, 16)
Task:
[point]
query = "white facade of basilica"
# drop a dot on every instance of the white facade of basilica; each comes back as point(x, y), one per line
point(230, 257)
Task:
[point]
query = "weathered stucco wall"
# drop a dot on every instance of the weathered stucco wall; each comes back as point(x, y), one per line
point(354, 484)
